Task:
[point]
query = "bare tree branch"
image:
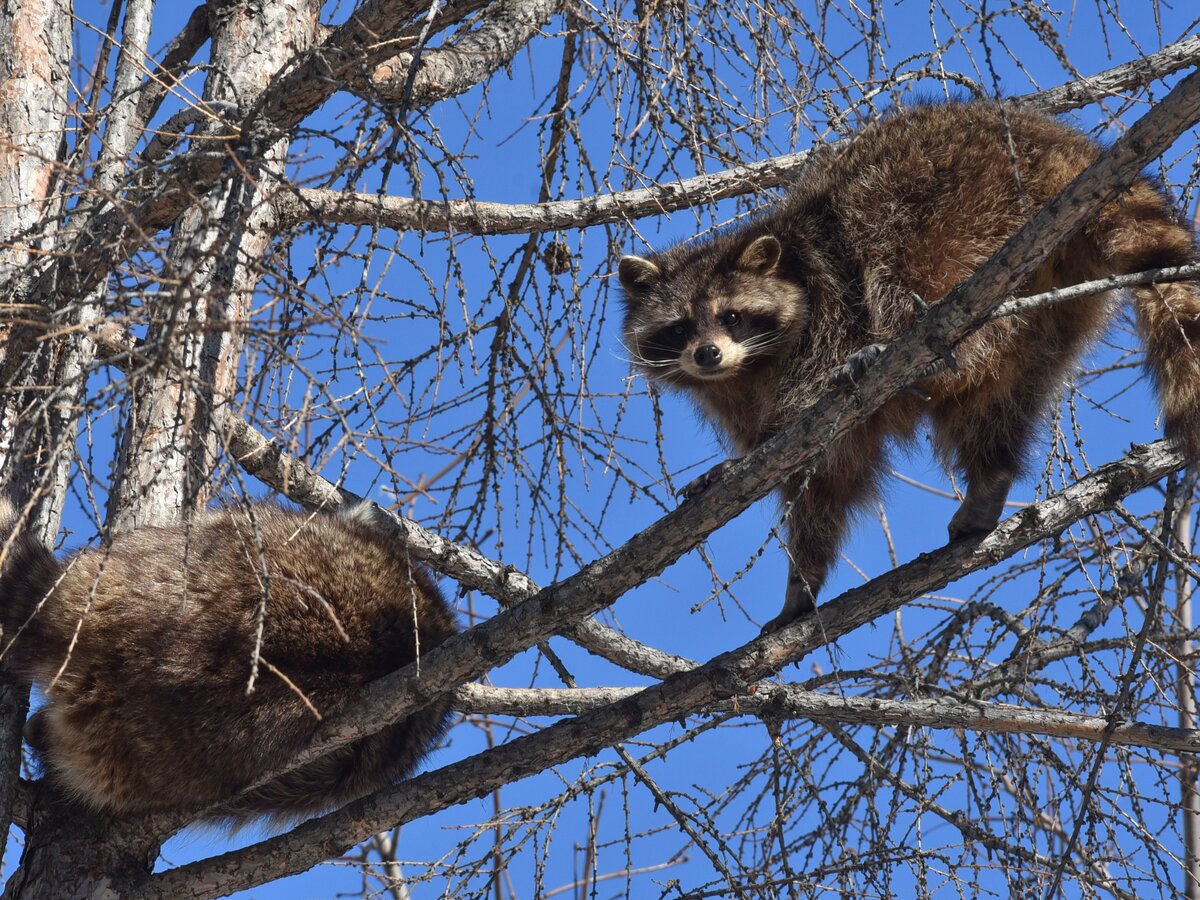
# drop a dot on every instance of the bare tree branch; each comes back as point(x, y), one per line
point(458, 66)
point(732, 674)
point(1112, 82)
point(485, 217)
point(790, 701)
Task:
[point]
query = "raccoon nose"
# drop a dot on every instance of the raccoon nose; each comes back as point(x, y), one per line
point(707, 356)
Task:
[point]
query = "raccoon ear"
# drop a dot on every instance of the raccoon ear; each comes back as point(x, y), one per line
point(761, 256)
point(637, 274)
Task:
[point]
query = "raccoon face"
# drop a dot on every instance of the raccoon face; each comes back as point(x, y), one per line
point(688, 322)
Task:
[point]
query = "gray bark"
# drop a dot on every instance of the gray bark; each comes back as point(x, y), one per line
point(35, 49)
point(68, 852)
point(35, 46)
point(460, 65)
point(793, 702)
point(170, 443)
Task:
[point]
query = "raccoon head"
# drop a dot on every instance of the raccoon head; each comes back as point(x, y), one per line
point(706, 313)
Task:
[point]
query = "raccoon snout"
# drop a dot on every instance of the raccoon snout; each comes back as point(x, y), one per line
point(707, 356)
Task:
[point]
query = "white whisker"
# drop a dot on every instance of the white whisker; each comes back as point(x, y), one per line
point(755, 345)
point(652, 363)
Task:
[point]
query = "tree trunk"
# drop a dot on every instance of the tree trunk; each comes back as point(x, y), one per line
point(170, 443)
point(35, 50)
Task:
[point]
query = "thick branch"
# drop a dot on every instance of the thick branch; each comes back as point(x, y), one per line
point(483, 217)
point(168, 444)
point(453, 68)
point(791, 702)
point(363, 41)
point(35, 46)
point(1111, 82)
point(732, 674)
point(1021, 305)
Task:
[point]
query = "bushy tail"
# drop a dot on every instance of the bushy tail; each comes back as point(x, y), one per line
point(1140, 232)
point(28, 572)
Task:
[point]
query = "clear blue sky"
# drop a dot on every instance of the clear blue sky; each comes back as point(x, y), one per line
point(504, 169)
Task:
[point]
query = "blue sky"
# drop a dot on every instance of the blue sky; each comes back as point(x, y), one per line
point(502, 166)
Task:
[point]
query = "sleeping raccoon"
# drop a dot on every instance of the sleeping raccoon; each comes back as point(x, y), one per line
point(145, 650)
point(751, 321)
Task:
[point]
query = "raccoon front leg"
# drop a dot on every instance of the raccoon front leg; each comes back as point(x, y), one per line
point(818, 511)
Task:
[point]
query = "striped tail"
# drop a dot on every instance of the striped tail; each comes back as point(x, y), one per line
point(1141, 231)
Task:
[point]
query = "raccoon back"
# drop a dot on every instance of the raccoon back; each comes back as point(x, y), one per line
point(206, 653)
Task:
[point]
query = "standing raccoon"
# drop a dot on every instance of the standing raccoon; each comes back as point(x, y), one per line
point(145, 649)
point(751, 321)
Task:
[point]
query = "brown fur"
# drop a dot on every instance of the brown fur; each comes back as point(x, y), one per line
point(149, 710)
point(900, 215)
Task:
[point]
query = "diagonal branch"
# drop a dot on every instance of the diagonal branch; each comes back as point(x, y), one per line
point(1111, 82)
point(741, 482)
point(274, 467)
point(732, 674)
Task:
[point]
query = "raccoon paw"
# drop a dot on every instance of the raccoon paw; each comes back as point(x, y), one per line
point(35, 731)
point(698, 486)
point(974, 519)
point(854, 368)
point(982, 508)
point(799, 602)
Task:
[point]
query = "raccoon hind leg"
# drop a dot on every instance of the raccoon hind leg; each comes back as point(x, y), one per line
point(986, 436)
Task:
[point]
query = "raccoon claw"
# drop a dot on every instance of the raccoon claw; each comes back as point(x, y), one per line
point(776, 623)
point(699, 485)
point(854, 368)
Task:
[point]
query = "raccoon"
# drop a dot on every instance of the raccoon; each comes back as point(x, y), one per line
point(145, 651)
point(751, 321)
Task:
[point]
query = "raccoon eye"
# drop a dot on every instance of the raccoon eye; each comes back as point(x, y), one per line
point(731, 319)
point(666, 343)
